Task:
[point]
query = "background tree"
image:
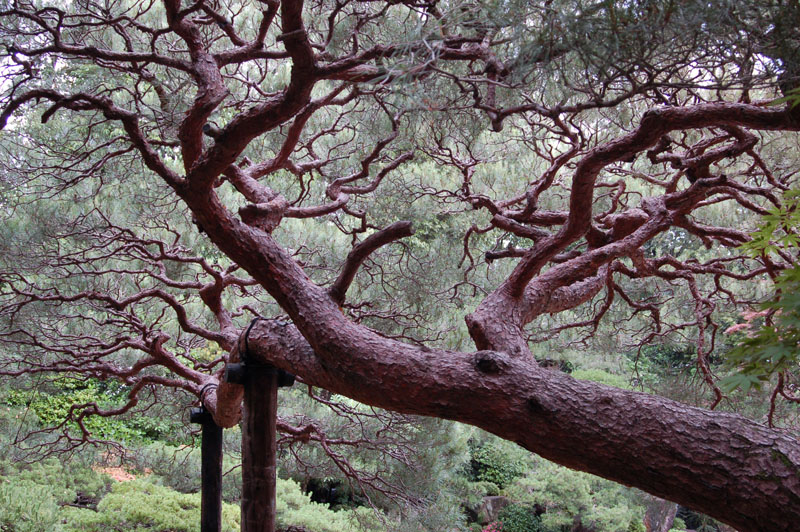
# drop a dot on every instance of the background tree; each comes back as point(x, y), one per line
point(600, 167)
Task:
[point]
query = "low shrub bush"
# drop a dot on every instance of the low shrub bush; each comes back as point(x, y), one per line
point(519, 518)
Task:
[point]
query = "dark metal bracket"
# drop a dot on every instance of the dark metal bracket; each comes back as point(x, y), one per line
point(237, 373)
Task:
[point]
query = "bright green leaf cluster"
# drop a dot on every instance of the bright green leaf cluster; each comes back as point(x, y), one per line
point(774, 347)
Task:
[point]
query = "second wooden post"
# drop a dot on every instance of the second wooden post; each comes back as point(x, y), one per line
point(259, 448)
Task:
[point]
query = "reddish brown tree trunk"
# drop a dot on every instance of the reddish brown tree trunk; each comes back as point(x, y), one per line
point(721, 464)
point(660, 515)
point(724, 465)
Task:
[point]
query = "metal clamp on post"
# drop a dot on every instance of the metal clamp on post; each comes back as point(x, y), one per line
point(200, 416)
point(236, 373)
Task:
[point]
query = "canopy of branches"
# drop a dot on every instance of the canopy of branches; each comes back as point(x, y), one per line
point(398, 183)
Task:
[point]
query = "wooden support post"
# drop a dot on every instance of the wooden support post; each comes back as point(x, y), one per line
point(210, 471)
point(259, 448)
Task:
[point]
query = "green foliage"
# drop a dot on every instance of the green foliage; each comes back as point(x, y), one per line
point(670, 356)
point(488, 489)
point(54, 408)
point(772, 348)
point(792, 98)
point(678, 525)
point(31, 494)
point(566, 495)
point(26, 506)
point(490, 463)
point(65, 479)
point(778, 228)
point(293, 507)
point(142, 505)
point(636, 525)
point(519, 518)
point(603, 377)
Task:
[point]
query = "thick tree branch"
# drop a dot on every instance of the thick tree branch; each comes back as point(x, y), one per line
point(547, 412)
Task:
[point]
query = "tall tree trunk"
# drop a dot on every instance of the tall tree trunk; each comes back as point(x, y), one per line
point(660, 515)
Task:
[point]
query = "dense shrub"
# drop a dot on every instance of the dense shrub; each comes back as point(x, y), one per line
point(293, 507)
point(31, 494)
point(519, 518)
point(678, 525)
point(52, 406)
point(27, 507)
point(140, 505)
point(67, 480)
point(603, 377)
point(489, 463)
point(636, 525)
point(566, 495)
point(488, 488)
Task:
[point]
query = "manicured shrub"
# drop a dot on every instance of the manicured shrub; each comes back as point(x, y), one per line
point(140, 505)
point(293, 507)
point(567, 495)
point(67, 482)
point(603, 377)
point(678, 524)
point(27, 507)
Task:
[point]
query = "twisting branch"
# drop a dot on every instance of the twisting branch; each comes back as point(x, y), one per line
point(359, 254)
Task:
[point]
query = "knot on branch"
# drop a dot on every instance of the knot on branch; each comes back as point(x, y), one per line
point(625, 223)
point(490, 362)
point(535, 406)
point(264, 216)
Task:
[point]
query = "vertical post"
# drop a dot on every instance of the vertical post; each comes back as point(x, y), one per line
point(259, 448)
point(210, 471)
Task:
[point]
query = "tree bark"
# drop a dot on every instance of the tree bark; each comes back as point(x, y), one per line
point(721, 464)
point(660, 515)
point(724, 465)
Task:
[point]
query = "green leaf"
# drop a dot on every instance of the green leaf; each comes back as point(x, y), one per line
point(792, 97)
